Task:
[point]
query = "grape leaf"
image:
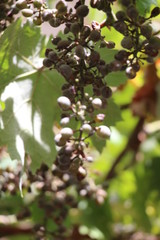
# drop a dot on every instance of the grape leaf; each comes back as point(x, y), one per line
point(114, 79)
point(113, 113)
point(31, 109)
point(29, 94)
point(19, 52)
point(145, 5)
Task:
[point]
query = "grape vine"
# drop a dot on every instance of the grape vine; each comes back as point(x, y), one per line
point(85, 95)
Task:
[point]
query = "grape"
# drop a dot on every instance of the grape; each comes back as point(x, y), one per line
point(66, 132)
point(64, 121)
point(59, 140)
point(146, 30)
point(47, 63)
point(64, 102)
point(21, 4)
point(86, 128)
point(27, 12)
point(66, 71)
point(130, 72)
point(103, 132)
point(81, 174)
point(95, 35)
point(75, 28)
point(37, 3)
point(127, 42)
point(97, 103)
point(47, 15)
point(80, 52)
point(82, 11)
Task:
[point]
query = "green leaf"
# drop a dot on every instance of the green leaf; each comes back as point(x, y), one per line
point(31, 109)
point(115, 79)
point(113, 113)
point(30, 96)
point(145, 5)
point(19, 51)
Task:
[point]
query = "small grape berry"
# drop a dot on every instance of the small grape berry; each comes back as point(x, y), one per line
point(66, 132)
point(97, 103)
point(64, 102)
point(103, 132)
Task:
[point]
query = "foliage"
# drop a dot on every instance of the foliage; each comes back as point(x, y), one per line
point(84, 139)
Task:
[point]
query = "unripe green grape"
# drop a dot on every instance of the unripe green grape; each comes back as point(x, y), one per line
point(64, 103)
point(59, 140)
point(86, 128)
point(103, 132)
point(82, 11)
point(62, 11)
point(37, 3)
point(27, 12)
point(60, 4)
point(66, 132)
point(97, 103)
point(21, 4)
point(37, 21)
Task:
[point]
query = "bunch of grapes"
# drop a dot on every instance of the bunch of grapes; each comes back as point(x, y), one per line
point(7, 12)
point(76, 58)
point(50, 190)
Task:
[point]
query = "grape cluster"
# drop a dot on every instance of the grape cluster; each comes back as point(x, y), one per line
point(54, 192)
point(76, 58)
point(139, 42)
point(7, 12)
